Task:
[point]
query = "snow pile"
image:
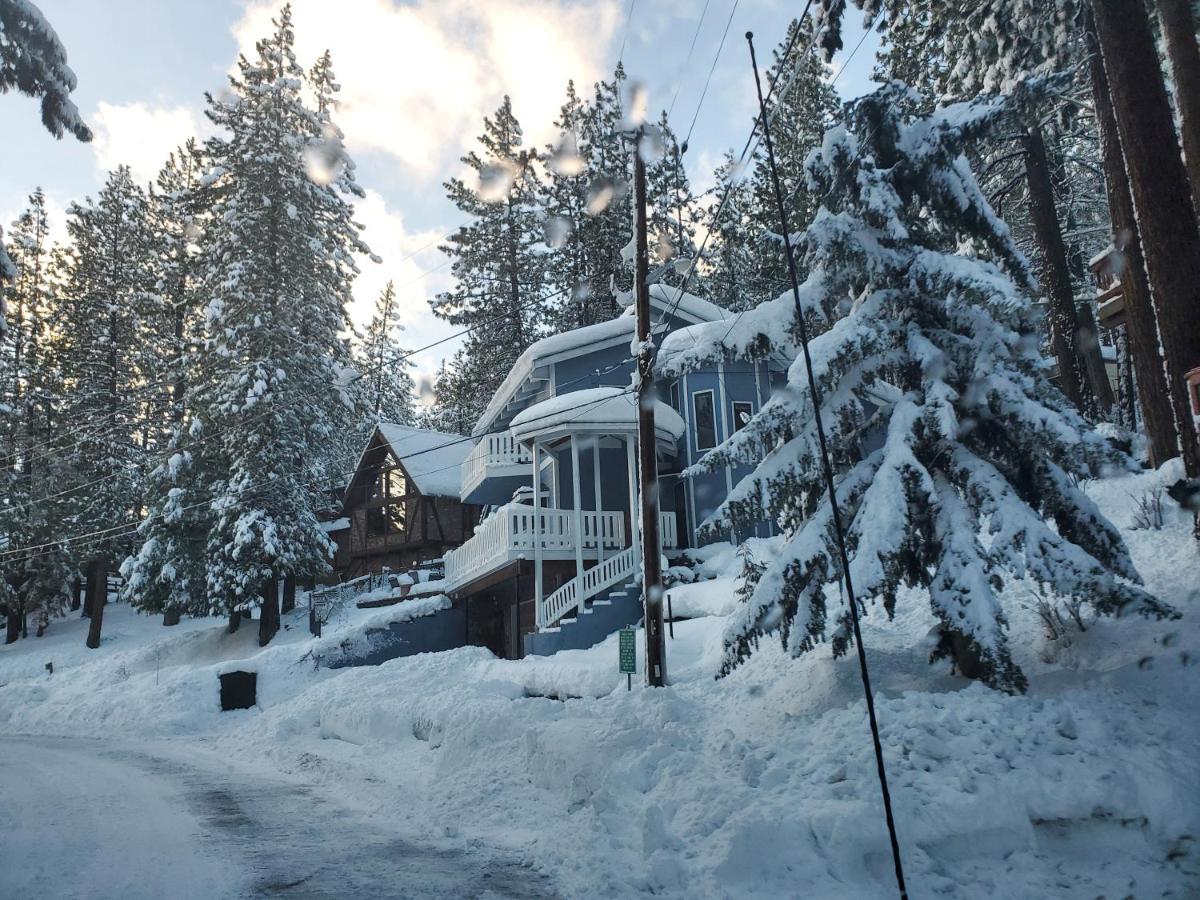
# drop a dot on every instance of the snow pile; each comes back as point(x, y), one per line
point(761, 784)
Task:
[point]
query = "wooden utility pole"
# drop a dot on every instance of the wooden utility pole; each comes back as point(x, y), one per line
point(656, 651)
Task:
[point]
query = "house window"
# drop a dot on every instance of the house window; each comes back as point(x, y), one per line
point(743, 411)
point(675, 397)
point(376, 522)
point(704, 414)
point(395, 517)
point(397, 484)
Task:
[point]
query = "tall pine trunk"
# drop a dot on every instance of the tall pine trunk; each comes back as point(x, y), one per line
point(98, 589)
point(1141, 331)
point(1056, 274)
point(268, 620)
point(12, 617)
point(170, 617)
point(1161, 196)
point(289, 594)
point(1179, 30)
point(235, 621)
point(77, 593)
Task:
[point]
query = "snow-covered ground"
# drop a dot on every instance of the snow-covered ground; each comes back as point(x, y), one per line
point(761, 784)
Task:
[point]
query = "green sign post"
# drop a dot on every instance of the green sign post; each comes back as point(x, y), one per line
point(627, 654)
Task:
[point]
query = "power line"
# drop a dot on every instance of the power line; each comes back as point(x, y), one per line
point(688, 59)
point(711, 69)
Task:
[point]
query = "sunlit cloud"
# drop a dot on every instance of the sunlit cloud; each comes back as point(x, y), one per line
point(417, 79)
point(141, 136)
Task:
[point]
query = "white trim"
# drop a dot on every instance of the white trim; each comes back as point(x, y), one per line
point(696, 433)
point(725, 420)
point(577, 508)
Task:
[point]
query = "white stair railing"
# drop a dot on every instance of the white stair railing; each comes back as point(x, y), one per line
point(595, 580)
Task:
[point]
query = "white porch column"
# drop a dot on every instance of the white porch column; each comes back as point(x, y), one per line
point(537, 536)
point(631, 459)
point(599, 505)
point(577, 503)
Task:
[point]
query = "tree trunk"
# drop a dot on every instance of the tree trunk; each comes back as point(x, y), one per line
point(170, 617)
point(77, 594)
point(289, 593)
point(12, 624)
point(1056, 275)
point(98, 588)
point(1161, 196)
point(1179, 31)
point(1093, 360)
point(268, 619)
point(235, 621)
point(1141, 330)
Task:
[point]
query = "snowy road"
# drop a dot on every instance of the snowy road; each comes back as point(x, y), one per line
point(83, 819)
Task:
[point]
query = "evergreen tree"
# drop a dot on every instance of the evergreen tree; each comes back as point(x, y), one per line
point(955, 458)
point(803, 106)
point(279, 283)
point(387, 372)
point(29, 396)
point(499, 265)
point(166, 573)
point(106, 365)
point(34, 61)
point(456, 405)
point(732, 254)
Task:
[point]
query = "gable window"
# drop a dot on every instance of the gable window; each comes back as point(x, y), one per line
point(743, 411)
point(704, 415)
point(675, 397)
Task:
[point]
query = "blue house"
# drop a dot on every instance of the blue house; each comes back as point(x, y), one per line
point(552, 563)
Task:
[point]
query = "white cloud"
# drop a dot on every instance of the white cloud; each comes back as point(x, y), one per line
point(140, 136)
point(417, 79)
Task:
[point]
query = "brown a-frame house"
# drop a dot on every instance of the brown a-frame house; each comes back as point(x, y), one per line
point(403, 501)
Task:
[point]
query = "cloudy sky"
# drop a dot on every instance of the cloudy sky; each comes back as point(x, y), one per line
point(417, 79)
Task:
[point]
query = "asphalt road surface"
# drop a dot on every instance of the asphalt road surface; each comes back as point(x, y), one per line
point(90, 819)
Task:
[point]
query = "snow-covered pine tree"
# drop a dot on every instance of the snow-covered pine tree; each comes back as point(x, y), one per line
point(281, 268)
point(456, 405)
point(499, 263)
point(34, 61)
point(166, 573)
point(106, 366)
point(386, 368)
point(29, 396)
point(803, 106)
point(955, 457)
point(733, 248)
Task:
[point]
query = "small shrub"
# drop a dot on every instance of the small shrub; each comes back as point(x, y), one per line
point(1148, 511)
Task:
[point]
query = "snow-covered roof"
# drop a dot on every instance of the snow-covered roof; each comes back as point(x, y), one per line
point(334, 525)
point(600, 409)
point(432, 459)
point(663, 299)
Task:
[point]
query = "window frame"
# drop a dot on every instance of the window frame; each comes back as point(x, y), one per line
point(749, 405)
point(712, 411)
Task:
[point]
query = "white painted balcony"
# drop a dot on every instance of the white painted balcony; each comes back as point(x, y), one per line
point(511, 533)
point(497, 459)
point(515, 531)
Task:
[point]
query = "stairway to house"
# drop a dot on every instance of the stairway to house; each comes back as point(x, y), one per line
point(618, 607)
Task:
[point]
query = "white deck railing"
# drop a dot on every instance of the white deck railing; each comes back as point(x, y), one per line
point(512, 532)
point(492, 450)
point(595, 580)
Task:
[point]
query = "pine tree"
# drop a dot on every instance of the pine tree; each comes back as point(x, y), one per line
point(166, 573)
point(279, 283)
point(456, 405)
point(499, 266)
point(803, 106)
point(387, 372)
point(29, 396)
point(109, 289)
point(732, 253)
point(954, 456)
point(34, 61)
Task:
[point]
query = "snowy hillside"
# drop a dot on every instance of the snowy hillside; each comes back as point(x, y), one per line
point(758, 785)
